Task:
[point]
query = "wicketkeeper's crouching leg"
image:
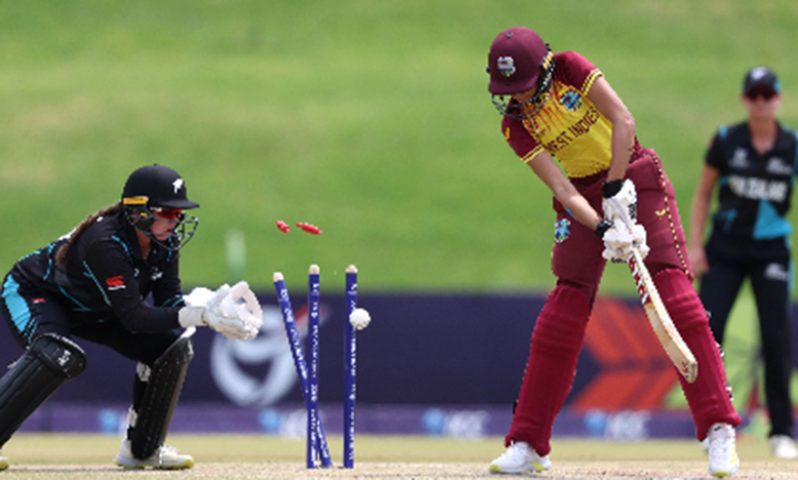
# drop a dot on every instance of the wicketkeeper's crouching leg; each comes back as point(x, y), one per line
point(708, 397)
point(50, 360)
point(156, 392)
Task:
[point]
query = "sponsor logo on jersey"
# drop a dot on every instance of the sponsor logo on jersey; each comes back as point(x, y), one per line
point(115, 282)
point(777, 166)
point(156, 274)
point(777, 271)
point(571, 100)
point(759, 188)
point(739, 159)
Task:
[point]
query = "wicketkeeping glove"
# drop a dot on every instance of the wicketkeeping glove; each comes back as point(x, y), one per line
point(199, 302)
point(241, 315)
point(232, 311)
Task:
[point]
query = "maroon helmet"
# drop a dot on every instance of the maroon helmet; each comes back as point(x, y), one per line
point(519, 60)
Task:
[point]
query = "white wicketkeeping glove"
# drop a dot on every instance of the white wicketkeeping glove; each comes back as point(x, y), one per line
point(238, 315)
point(232, 311)
point(622, 205)
point(619, 240)
point(199, 302)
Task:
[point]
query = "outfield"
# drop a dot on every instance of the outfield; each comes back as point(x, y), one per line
point(370, 119)
point(88, 457)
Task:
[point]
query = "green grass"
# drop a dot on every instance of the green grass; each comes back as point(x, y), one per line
point(370, 119)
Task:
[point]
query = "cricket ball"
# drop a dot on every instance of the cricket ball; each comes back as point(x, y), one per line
point(360, 318)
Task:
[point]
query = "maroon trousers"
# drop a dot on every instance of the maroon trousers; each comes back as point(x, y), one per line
point(560, 327)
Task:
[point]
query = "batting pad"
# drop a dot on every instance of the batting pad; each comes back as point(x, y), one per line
point(160, 396)
point(556, 341)
point(708, 397)
point(49, 361)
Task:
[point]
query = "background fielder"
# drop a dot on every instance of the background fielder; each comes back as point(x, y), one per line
point(752, 163)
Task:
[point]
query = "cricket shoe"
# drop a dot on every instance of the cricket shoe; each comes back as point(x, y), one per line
point(3, 462)
point(165, 458)
point(723, 459)
point(783, 446)
point(519, 458)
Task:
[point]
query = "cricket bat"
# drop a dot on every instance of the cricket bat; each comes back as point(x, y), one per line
point(661, 321)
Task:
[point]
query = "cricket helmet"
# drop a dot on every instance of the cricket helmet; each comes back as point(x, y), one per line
point(156, 186)
point(518, 61)
point(156, 189)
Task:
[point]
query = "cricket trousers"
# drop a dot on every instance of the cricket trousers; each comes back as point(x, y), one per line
point(577, 263)
point(767, 263)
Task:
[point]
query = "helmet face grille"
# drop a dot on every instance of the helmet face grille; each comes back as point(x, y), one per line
point(184, 232)
point(142, 218)
point(510, 108)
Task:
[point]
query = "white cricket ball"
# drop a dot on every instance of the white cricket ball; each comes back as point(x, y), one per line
point(360, 318)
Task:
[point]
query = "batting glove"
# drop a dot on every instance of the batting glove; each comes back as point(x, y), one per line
point(620, 201)
point(619, 240)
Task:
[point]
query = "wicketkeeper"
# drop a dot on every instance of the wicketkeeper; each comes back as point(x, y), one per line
point(92, 284)
point(611, 195)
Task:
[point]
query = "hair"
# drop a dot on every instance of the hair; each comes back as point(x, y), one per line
point(63, 250)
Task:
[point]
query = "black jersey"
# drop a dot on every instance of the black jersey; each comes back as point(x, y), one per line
point(106, 278)
point(754, 190)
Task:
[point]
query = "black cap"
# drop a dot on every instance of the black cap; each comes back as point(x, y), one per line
point(761, 77)
point(156, 186)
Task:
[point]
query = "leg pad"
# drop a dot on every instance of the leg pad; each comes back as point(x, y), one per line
point(556, 340)
point(708, 397)
point(158, 402)
point(50, 360)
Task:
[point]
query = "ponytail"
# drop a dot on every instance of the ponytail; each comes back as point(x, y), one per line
point(63, 250)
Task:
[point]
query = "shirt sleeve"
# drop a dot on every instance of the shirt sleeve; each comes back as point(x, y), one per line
point(109, 268)
point(714, 156)
point(166, 290)
point(576, 70)
point(522, 143)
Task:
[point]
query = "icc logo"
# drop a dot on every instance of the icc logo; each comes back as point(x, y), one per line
point(261, 371)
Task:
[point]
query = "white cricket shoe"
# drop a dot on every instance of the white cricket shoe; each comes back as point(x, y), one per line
point(165, 458)
point(3, 462)
point(723, 459)
point(519, 458)
point(783, 446)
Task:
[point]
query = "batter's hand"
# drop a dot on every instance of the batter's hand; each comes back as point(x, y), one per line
point(619, 240)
